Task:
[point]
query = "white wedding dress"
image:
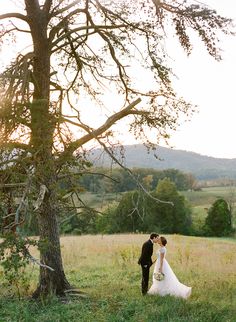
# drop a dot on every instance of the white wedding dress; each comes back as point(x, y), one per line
point(170, 285)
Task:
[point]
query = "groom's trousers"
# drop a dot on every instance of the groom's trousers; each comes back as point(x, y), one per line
point(145, 278)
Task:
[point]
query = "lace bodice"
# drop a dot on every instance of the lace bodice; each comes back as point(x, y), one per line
point(160, 251)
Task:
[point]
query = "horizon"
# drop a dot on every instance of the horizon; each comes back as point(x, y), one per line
point(169, 148)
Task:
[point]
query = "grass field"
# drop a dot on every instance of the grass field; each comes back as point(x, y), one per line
point(202, 198)
point(105, 268)
point(207, 196)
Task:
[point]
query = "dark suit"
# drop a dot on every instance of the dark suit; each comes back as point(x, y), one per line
point(145, 261)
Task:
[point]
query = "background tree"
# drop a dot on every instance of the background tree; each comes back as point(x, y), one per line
point(83, 222)
point(78, 49)
point(119, 181)
point(218, 221)
point(176, 219)
point(138, 211)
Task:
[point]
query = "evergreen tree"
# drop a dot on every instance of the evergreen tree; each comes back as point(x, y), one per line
point(174, 218)
point(218, 220)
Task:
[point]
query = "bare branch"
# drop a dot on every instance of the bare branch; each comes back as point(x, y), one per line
point(56, 7)
point(22, 203)
point(18, 29)
point(95, 133)
point(47, 5)
point(15, 145)
point(82, 126)
point(95, 27)
point(64, 44)
point(9, 215)
point(14, 15)
point(63, 22)
point(56, 86)
point(55, 13)
point(87, 172)
point(132, 175)
point(36, 261)
point(13, 185)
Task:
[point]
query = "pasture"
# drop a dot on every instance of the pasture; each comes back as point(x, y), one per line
point(202, 199)
point(105, 269)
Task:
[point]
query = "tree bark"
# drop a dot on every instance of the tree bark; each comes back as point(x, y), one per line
point(42, 131)
point(50, 282)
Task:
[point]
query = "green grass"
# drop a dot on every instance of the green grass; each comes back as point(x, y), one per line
point(201, 201)
point(98, 201)
point(203, 198)
point(105, 268)
point(207, 196)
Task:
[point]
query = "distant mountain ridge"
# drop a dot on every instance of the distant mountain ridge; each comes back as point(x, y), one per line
point(137, 156)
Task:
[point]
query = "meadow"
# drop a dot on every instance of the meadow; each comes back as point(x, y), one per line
point(201, 201)
point(105, 269)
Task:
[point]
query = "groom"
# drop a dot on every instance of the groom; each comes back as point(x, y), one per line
point(145, 260)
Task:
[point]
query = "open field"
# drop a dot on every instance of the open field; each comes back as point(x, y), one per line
point(201, 201)
point(203, 198)
point(207, 196)
point(197, 198)
point(105, 267)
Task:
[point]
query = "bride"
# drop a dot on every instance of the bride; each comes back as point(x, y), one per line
point(164, 280)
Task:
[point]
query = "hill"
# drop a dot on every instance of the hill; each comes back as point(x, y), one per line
point(202, 166)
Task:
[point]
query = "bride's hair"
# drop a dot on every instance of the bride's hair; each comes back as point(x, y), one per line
point(163, 240)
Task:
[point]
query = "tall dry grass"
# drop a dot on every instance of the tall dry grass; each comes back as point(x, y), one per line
point(193, 254)
point(106, 268)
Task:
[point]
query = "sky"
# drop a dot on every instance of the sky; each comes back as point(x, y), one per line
point(211, 86)
point(208, 84)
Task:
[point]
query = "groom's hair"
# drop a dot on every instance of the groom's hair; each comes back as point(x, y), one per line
point(153, 235)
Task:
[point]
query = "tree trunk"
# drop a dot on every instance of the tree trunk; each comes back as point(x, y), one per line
point(50, 281)
point(42, 131)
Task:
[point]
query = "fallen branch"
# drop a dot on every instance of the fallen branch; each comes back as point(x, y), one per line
point(36, 261)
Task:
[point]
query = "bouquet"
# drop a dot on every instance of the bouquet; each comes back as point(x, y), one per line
point(159, 276)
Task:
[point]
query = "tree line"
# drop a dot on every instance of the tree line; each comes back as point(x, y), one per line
point(156, 204)
point(163, 209)
point(117, 180)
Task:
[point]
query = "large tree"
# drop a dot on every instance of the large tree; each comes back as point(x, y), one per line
point(80, 49)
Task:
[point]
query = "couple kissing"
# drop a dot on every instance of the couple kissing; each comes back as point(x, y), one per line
point(164, 280)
